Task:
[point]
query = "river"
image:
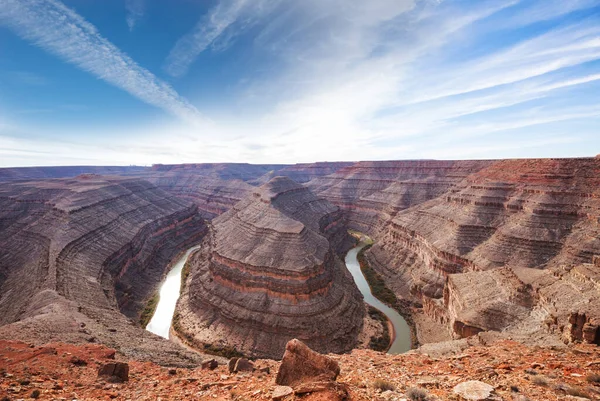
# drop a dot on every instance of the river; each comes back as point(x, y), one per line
point(402, 339)
point(160, 323)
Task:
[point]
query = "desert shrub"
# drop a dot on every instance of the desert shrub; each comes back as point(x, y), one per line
point(576, 391)
point(540, 381)
point(383, 385)
point(593, 378)
point(417, 394)
point(35, 394)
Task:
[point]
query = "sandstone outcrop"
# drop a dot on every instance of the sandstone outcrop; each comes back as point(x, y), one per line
point(270, 272)
point(80, 257)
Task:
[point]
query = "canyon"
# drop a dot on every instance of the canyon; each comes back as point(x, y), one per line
point(270, 271)
point(488, 250)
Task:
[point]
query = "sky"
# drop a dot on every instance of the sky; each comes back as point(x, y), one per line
point(139, 82)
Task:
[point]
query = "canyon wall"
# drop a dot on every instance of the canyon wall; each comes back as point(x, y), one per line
point(457, 254)
point(269, 272)
point(75, 253)
point(507, 245)
point(372, 193)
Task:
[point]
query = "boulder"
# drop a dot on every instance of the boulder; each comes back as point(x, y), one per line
point(210, 364)
point(114, 371)
point(280, 392)
point(302, 365)
point(474, 390)
point(243, 365)
point(231, 364)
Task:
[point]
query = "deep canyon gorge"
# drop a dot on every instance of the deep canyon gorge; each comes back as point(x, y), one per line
point(489, 249)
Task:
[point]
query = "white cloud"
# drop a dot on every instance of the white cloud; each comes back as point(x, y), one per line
point(57, 29)
point(387, 79)
point(135, 12)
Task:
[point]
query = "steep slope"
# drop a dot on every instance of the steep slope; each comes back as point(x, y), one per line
point(74, 253)
point(514, 214)
point(270, 272)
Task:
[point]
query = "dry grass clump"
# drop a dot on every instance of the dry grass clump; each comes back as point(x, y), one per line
point(540, 381)
point(383, 385)
point(417, 394)
point(576, 392)
point(593, 378)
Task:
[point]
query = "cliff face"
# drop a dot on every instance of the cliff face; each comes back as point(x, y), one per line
point(74, 253)
point(509, 245)
point(373, 192)
point(513, 214)
point(270, 272)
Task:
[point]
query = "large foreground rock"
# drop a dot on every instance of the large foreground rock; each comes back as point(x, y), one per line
point(301, 365)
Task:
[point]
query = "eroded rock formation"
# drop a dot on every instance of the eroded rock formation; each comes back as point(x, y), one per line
point(513, 214)
point(270, 272)
point(75, 253)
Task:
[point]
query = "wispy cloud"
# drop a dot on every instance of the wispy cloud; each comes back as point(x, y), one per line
point(26, 77)
point(57, 29)
point(210, 27)
point(135, 12)
point(384, 79)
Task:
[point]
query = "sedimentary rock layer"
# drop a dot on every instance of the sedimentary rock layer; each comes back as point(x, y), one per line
point(74, 253)
point(513, 214)
point(373, 192)
point(39, 173)
point(271, 272)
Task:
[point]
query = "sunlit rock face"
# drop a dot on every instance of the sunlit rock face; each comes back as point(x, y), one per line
point(514, 215)
point(80, 257)
point(270, 272)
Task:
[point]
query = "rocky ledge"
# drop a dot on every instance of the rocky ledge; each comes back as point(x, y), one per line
point(269, 272)
point(500, 371)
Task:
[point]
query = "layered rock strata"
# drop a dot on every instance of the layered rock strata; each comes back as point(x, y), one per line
point(271, 272)
point(513, 214)
point(75, 253)
point(373, 192)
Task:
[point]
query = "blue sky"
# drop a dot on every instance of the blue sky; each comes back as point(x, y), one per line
point(263, 81)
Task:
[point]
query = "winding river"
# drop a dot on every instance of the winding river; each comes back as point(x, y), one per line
point(401, 331)
point(160, 323)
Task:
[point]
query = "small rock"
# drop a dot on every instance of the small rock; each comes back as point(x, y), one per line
point(210, 364)
point(172, 372)
point(474, 390)
point(231, 364)
point(243, 365)
point(115, 371)
point(280, 392)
